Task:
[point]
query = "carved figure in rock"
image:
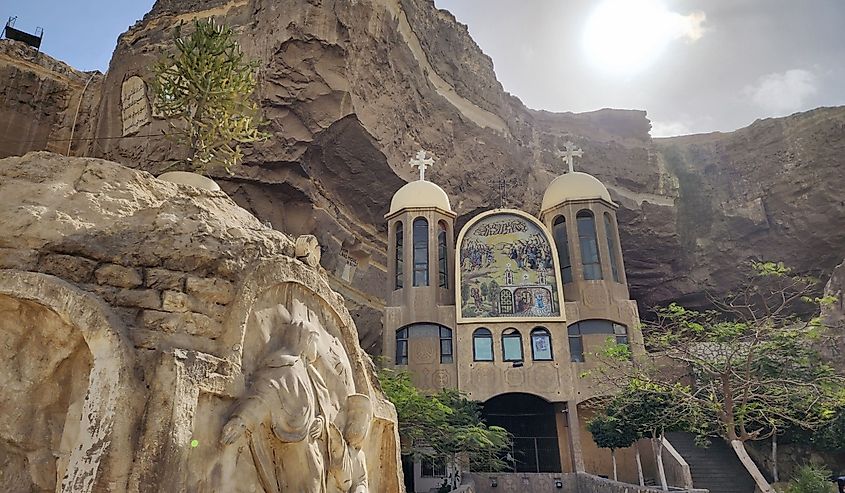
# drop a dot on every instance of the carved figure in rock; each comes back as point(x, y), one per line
point(286, 411)
point(347, 462)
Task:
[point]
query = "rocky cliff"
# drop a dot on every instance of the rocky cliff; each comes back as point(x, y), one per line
point(44, 102)
point(352, 89)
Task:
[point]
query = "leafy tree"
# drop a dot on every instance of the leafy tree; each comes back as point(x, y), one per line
point(611, 432)
point(749, 366)
point(206, 86)
point(644, 409)
point(445, 426)
point(831, 435)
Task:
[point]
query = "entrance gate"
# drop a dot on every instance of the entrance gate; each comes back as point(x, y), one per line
point(531, 421)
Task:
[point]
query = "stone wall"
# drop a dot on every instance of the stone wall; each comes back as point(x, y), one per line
point(171, 311)
point(546, 483)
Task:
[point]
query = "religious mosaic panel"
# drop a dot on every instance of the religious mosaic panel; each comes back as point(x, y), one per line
point(507, 269)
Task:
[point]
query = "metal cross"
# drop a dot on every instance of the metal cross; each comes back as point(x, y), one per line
point(504, 184)
point(422, 162)
point(570, 153)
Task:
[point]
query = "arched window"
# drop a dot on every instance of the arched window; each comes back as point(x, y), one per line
point(482, 345)
point(442, 251)
point(511, 345)
point(541, 344)
point(612, 329)
point(445, 345)
point(620, 333)
point(505, 301)
point(402, 346)
point(432, 333)
point(589, 246)
point(610, 231)
point(562, 244)
point(420, 252)
point(400, 252)
point(576, 344)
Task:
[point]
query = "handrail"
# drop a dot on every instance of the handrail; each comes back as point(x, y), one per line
point(685, 470)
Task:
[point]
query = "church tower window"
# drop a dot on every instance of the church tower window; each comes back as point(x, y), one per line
point(576, 344)
point(442, 251)
point(562, 243)
point(420, 252)
point(610, 231)
point(445, 345)
point(620, 333)
point(589, 246)
point(402, 346)
point(482, 345)
point(511, 345)
point(400, 252)
point(541, 344)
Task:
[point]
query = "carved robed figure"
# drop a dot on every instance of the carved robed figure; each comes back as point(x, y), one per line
point(286, 411)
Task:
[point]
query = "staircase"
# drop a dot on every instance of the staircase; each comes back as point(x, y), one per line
point(715, 468)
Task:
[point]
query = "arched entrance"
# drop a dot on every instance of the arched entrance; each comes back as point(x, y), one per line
point(532, 422)
point(66, 421)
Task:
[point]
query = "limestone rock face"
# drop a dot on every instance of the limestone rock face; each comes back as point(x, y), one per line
point(352, 89)
point(40, 98)
point(141, 319)
point(834, 315)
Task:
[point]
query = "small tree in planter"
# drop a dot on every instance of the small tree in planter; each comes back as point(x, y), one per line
point(205, 89)
point(612, 433)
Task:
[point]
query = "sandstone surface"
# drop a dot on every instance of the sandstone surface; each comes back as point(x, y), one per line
point(141, 319)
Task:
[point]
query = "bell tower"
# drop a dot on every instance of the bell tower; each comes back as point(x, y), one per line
point(420, 283)
point(579, 212)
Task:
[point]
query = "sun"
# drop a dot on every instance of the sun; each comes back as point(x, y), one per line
point(626, 36)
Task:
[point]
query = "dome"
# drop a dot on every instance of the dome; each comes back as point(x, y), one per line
point(574, 186)
point(419, 194)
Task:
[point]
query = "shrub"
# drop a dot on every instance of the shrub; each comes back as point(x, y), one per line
point(811, 479)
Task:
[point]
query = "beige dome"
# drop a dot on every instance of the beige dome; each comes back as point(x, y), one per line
point(574, 186)
point(419, 194)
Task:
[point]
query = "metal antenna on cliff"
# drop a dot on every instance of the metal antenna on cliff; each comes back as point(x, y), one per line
point(422, 162)
point(569, 154)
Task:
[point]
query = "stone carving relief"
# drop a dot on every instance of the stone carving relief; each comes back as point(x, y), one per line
point(515, 377)
point(299, 424)
point(47, 373)
point(135, 110)
point(63, 372)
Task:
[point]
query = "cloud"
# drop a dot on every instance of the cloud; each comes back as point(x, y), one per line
point(669, 129)
point(782, 93)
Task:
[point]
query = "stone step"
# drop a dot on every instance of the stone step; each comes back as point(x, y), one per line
point(715, 468)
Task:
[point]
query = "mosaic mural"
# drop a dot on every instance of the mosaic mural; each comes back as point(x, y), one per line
point(507, 270)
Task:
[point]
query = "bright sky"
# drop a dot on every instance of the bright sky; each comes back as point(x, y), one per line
point(694, 65)
point(82, 33)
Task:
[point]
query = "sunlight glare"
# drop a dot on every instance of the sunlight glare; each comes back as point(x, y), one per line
point(628, 35)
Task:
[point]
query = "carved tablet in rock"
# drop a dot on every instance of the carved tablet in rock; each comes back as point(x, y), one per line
point(135, 109)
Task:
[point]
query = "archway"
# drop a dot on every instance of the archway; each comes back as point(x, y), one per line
point(532, 422)
point(64, 369)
